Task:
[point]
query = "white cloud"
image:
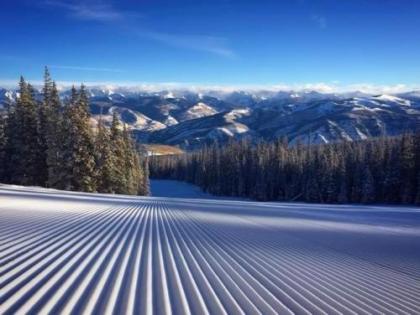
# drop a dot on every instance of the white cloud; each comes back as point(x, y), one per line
point(96, 11)
point(194, 87)
point(383, 89)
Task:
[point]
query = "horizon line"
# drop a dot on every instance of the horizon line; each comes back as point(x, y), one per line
point(320, 87)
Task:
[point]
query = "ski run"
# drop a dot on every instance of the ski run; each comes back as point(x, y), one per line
point(77, 253)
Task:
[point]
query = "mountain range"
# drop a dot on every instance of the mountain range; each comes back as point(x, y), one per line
point(190, 119)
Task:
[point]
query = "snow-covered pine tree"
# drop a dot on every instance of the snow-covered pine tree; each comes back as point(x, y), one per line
point(105, 160)
point(24, 139)
point(55, 138)
point(118, 149)
point(50, 133)
point(78, 169)
point(2, 148)
point(83, 149)
point(50, 145)
point(65, 174)
point(144, 189)
point(43, 122)
point(132, 171)
point(9, 135)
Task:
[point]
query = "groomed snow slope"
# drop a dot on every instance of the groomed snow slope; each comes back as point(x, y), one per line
point(77, 253)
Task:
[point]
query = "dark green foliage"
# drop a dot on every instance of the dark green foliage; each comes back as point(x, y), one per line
point(2, 147)
point(118, 150)
point(23, 139)
point(136, 182)
point(368, 186)
point(44, 124)
point(105, 161)
point(376, 170)
point(408, 171)
point(126, 172)
point(417, 167)
point(81, 149)
point(417, 200)
point(51, 145)
point(51, 132)
point(55, 137)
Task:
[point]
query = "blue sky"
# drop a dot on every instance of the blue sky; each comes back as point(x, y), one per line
point(218, 42)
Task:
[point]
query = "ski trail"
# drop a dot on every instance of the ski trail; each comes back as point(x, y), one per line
point(71, 253)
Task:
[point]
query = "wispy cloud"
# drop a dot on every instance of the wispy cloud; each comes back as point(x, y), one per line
point(212, 44)
point(320, 20)
point(79, 68)
point(102, 11)
point(88, 10)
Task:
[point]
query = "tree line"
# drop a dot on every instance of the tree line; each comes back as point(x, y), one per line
point(50, 144)
point(382, 170)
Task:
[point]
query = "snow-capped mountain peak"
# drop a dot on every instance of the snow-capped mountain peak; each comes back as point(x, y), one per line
point(393, 99)
point(189, 118)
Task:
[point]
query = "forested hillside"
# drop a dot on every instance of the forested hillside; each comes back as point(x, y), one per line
point(55, 145)
point(383, 170)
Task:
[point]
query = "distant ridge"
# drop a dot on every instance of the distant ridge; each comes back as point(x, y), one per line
point(190, 119)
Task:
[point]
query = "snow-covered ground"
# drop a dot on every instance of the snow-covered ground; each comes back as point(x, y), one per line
point(73, 253)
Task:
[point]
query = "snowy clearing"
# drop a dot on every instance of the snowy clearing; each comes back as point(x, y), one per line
point(69, 253)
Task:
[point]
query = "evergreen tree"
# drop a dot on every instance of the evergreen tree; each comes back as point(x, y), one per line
point(367, 171)
point(342, 182)
point(407, 164)
point(417, 164)
point(312, 190)
point(133, 172)
point(2, 148)
point(78, 170)
point(65, 175)
point(55, 138)
point(119, 150)
point(10, 135)
point(50, 132)
point(83, 103)
point(50, 145)
point(392, 180)
point(24, 139)
point(417, 200)
point(368, 188)
point(105, 160)
point(83, 178)
point(43, 125)
point(144, 189)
